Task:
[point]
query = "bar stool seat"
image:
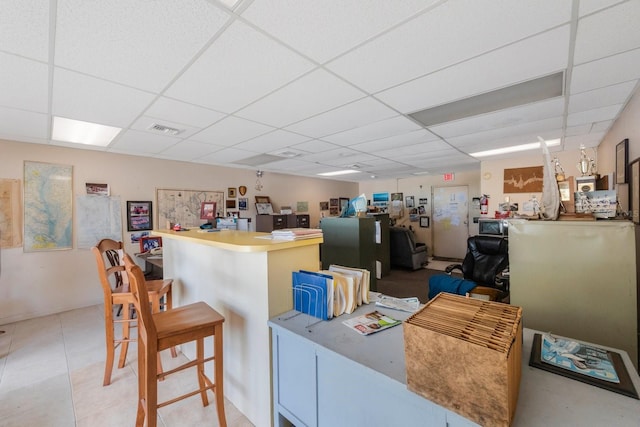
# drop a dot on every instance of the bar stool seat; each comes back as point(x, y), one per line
point(159, 331)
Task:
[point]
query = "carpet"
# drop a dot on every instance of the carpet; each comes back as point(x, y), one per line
point(407, 283)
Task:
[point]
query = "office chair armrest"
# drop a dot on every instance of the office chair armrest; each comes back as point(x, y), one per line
point(452, 267)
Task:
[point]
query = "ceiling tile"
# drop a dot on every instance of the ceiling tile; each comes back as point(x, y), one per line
point(591, 140)
point(271, 141)
point(590, 6)
point(312, 94)
point(18, 15)
point(409, 138)
point(322, 30)
point(596, 115)
point(226, 155)
point(468, 27)
point(611, 31)
point(23, 83)
point(241, 66)
point(141, 143)
point(605, 72)
point(289, 165)
point(603, 126)
point(142, 44)
point(231, 131)
point(531, 58)
point(19, 123)
point(188, 150)
point(385, 128)
point(315, 146)
point(181, 112)
point(80, 97)
point(610, 95)
point(352, 115)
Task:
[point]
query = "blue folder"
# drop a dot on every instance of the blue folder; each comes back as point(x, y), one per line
point(310, 294)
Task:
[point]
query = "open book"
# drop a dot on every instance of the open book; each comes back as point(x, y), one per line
point(371, 322)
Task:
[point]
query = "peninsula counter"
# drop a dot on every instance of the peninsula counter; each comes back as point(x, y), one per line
point(248, 280)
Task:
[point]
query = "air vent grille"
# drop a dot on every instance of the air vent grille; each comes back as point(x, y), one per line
point(164, 129)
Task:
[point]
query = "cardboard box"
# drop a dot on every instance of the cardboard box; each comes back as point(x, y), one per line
point(465, 354)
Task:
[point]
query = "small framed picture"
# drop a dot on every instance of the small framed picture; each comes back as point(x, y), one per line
point(409, 202)
point(139, 216)
point(231, 204)
point(231, 192)
point(208, 210)
point(148, 243)
point(243, 203)
point(262, 199)
point(622, 160)
point(97, 189)
point(324, 206)
point(424, 221)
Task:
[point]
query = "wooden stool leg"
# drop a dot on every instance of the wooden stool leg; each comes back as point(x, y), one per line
point(168, 305)
point(142, 383)
point(155, 308)
point(219, 375)
point(151, 386)
point(109, 336)
point(126, 333)
point(200, 371)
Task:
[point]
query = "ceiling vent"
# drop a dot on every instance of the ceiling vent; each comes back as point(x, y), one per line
point(164, 129)
point(512, 96)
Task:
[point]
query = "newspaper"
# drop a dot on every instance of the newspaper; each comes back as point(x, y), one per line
point(410, 305)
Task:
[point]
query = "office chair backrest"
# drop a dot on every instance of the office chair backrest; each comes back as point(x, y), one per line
point(486, 257)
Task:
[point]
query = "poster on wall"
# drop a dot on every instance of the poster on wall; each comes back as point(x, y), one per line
point(48, 207)
point(523, 180)
point(10, 213)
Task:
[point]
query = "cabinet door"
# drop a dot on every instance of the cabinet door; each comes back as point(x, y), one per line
point(294, 393)
point(279, 222)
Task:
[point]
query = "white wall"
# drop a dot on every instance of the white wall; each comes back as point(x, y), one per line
point(41, 283)
point(421, 187)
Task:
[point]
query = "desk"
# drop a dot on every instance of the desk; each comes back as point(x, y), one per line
point(328, 375)
point(247, 279)
point(153, 265)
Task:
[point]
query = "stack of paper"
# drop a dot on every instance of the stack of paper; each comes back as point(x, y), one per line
point(296, 233)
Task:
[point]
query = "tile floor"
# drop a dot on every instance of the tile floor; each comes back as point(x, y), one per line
point(51, 371)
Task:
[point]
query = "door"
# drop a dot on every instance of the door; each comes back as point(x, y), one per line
point(450, 221)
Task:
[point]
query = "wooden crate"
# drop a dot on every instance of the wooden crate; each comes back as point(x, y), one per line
point(465, 354)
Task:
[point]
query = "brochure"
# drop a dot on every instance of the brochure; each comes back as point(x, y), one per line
point(371, 322)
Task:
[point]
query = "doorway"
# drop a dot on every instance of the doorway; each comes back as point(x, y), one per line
point(450, 213)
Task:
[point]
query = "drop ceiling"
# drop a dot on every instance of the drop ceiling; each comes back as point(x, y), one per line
point(315, 86)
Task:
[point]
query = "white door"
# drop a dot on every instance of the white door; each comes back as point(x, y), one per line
point(450, 221)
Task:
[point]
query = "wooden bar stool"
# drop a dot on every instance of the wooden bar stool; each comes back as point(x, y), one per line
point(159, 331)
point(115, 288)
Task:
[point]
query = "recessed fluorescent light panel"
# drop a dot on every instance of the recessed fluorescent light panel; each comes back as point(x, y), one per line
point(80, 132)
point(335, 173)
point(513, 96)
point(514, 149)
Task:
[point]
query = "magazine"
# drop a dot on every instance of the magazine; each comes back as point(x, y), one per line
point(371, 322)
point(578, 357)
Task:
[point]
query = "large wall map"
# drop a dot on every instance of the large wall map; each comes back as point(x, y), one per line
point(48, 206)
point(183, 206)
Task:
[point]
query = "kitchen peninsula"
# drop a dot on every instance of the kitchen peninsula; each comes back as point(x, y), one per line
point(248, 280)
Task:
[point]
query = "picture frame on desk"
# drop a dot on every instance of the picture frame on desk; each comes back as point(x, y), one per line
point(139, 216)
point(622, 160)
point(262, 199)
point(148, 243)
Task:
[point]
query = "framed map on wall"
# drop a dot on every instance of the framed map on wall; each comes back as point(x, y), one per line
point(183, 206)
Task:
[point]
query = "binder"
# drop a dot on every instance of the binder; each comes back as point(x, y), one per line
point(313, 294)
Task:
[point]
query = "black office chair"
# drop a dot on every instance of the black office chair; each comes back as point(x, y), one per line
point(486, 259)
point(404, 251)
